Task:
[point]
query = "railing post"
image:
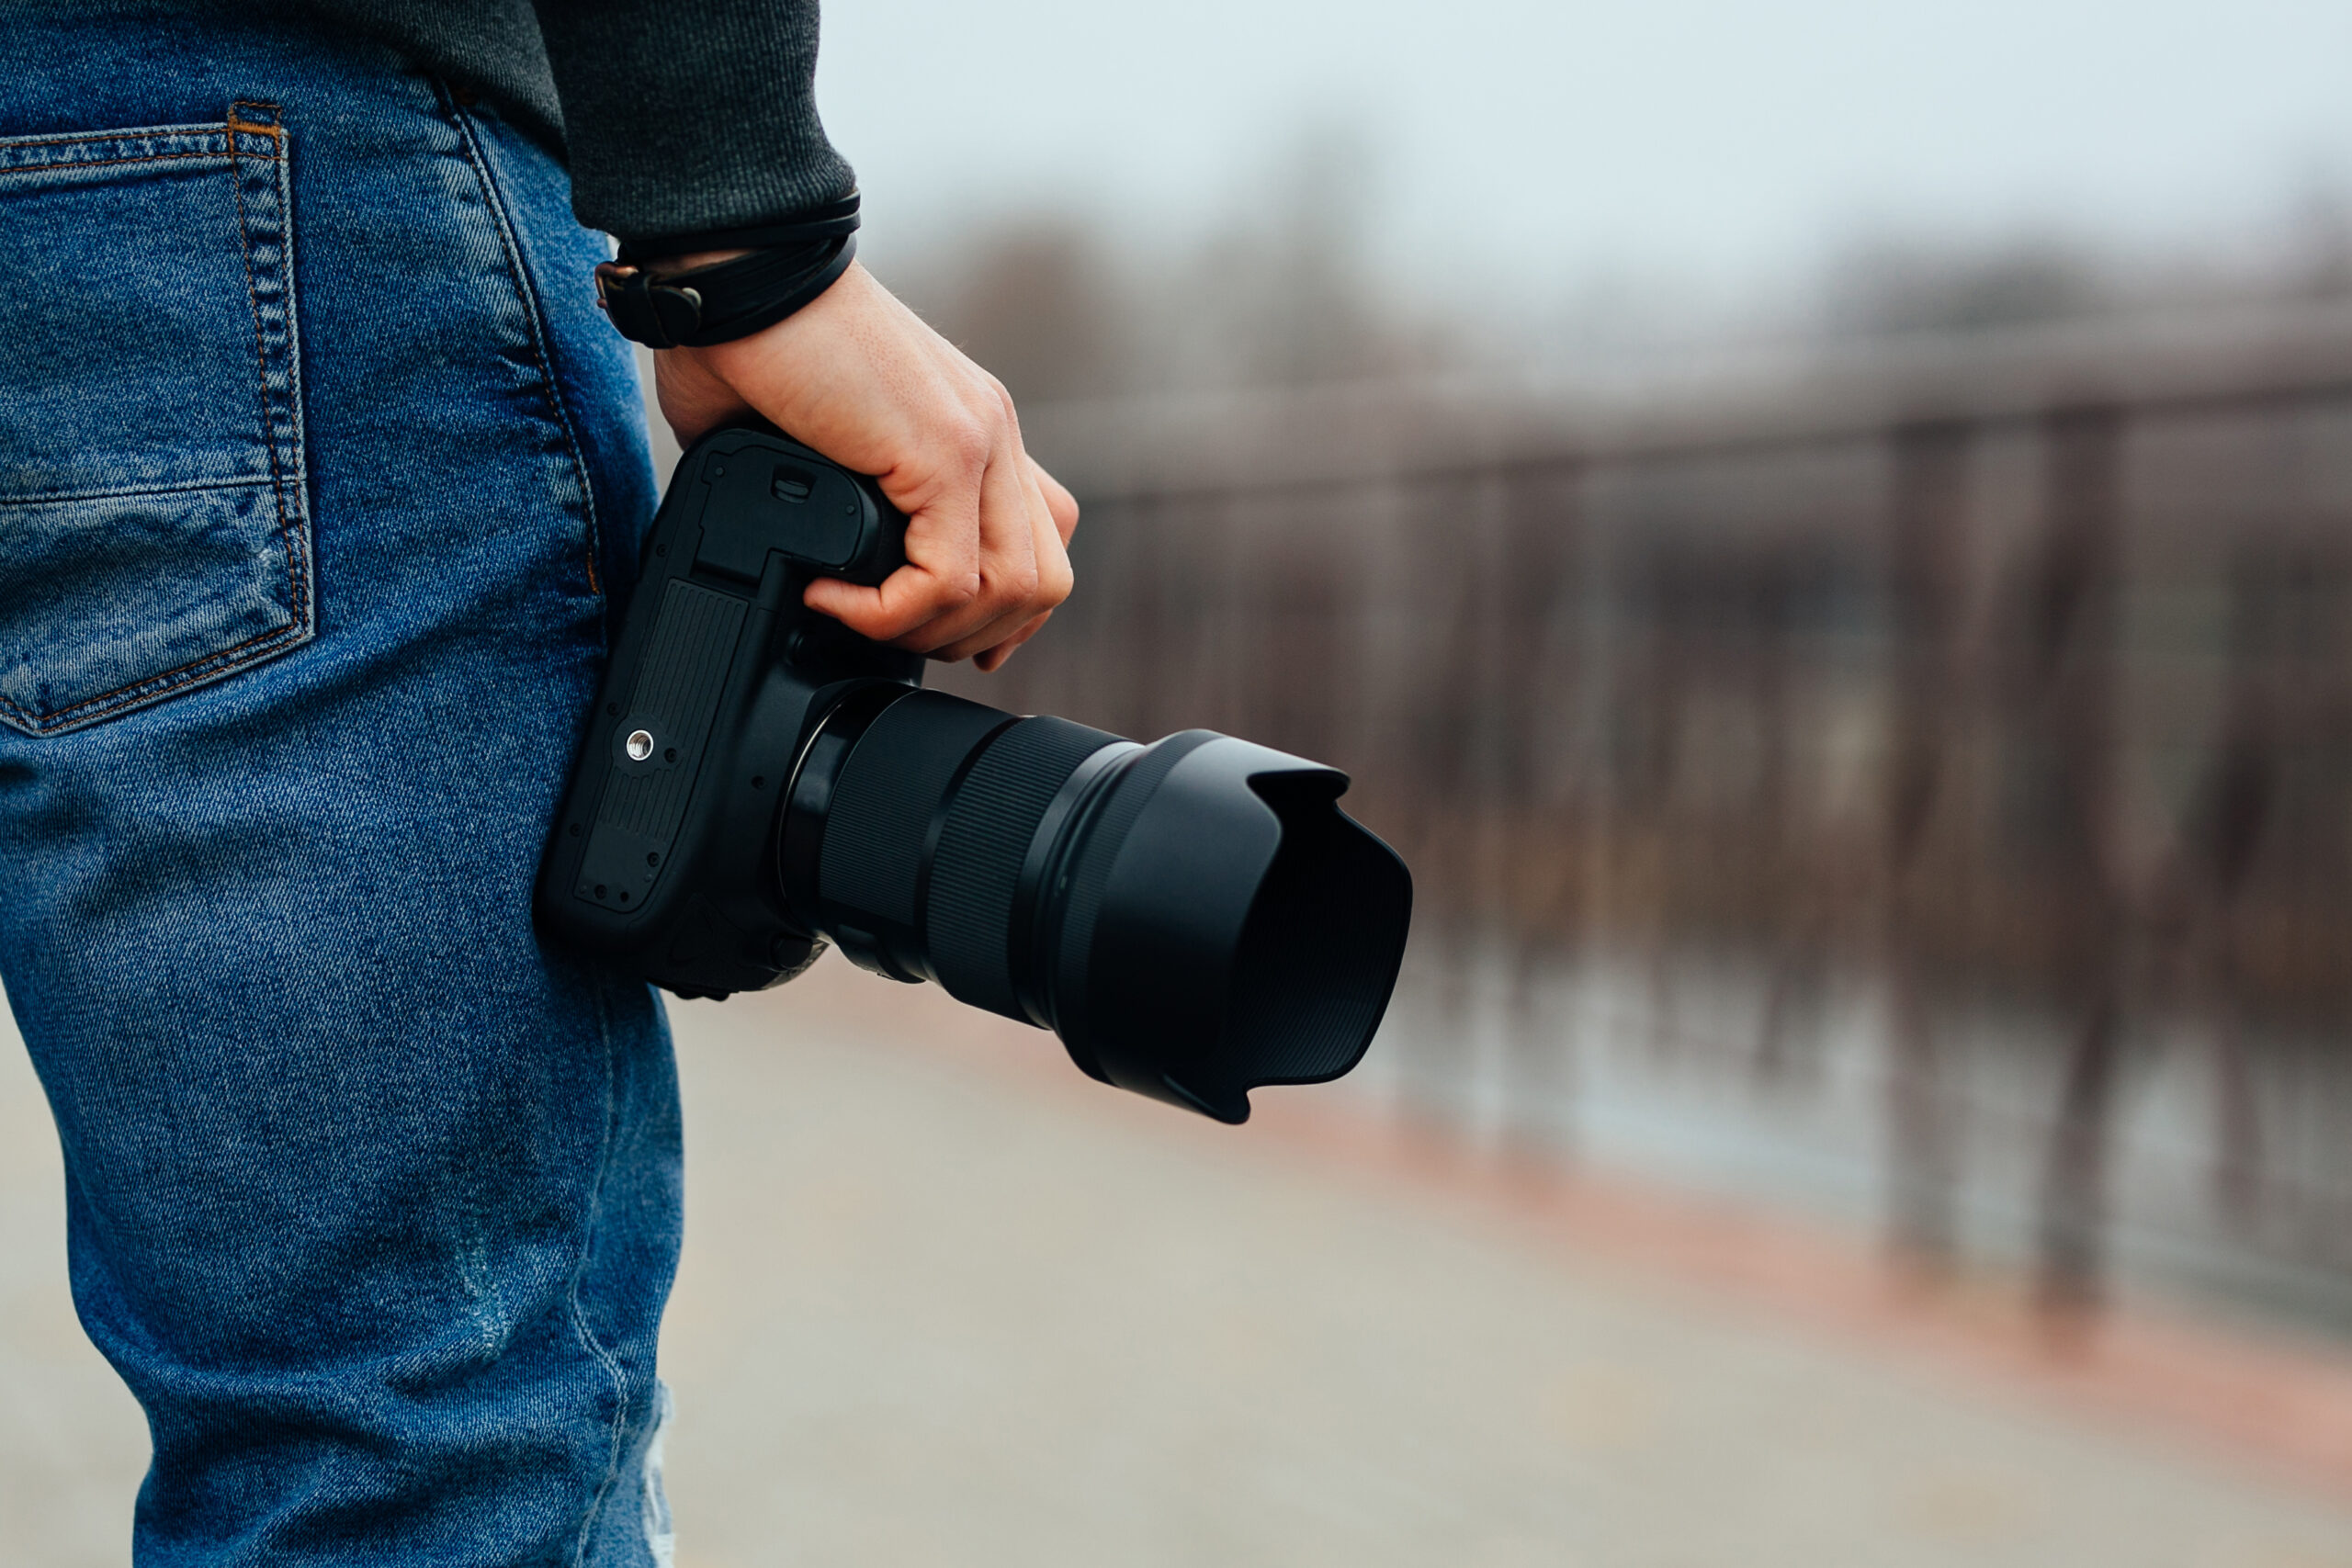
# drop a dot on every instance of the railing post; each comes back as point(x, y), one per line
point(1927, 566)
point(2072, 714)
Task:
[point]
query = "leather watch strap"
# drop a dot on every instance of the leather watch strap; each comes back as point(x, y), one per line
point(723, 301)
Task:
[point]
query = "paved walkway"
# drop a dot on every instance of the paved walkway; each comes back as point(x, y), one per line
point(945, 1304)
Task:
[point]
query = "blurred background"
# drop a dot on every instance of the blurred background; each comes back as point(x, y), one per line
point(1824, 533)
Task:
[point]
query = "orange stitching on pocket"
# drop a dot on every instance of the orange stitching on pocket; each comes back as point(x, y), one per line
point(236, 123)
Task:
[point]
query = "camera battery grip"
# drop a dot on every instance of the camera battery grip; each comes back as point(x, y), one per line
point(717, 678)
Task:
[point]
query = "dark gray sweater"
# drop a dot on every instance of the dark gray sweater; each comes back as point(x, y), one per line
point(677, 116)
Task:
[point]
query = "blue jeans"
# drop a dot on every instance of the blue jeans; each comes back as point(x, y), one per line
point(320, 478)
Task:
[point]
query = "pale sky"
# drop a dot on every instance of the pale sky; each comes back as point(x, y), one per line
point(1535, 144)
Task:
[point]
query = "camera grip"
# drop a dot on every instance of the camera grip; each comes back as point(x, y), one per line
point(702, 709)
point(768, 493)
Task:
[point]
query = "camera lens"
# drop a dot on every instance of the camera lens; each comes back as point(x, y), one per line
point(1194, 918)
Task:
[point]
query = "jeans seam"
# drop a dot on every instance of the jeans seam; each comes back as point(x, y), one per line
point(534, 314)
point(494, 198)
point(296, 584)
point(587, 1335)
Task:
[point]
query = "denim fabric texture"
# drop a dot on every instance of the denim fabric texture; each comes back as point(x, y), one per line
point(320, 474)
point(157, 536)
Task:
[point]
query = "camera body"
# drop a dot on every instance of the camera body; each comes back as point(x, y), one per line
point(1194, 918)
point(719, 678)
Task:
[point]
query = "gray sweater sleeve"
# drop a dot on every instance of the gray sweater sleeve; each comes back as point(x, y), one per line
point(686, 116)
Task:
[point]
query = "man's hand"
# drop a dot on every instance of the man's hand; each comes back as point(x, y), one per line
point(859, 378)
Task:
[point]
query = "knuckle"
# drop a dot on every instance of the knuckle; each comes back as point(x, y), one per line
point(982, 396)
point(969, 441)
point(984, 391)
point(1002, 592)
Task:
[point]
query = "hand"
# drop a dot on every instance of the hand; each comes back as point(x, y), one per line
point(856, 376)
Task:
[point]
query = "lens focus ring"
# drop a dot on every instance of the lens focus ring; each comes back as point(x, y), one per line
point(982, 843)
point(871, 868)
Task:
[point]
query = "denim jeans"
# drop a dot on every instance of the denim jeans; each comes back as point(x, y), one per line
point(320, 477)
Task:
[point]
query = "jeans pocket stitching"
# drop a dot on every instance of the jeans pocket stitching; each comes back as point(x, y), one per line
point(109, 163)
point(262, 184)
point(274, 326)
point(148, 688)
point(24, 155)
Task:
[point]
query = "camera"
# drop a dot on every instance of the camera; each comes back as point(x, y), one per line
point(1194, 918)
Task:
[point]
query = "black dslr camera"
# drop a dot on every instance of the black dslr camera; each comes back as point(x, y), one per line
point(1194, 918)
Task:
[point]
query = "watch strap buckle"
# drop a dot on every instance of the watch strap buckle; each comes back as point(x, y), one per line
point(645, 310)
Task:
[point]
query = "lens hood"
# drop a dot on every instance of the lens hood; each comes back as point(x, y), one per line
point(1217, 923)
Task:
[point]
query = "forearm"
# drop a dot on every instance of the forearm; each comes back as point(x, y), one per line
point(692, 119)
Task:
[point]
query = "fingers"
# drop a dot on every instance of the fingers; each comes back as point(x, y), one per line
point(1061, 510)
point(989, 660)
point(857, 376)
point(971, 584)
point(1059, 501)
point(1048, 584)
point(946, 559)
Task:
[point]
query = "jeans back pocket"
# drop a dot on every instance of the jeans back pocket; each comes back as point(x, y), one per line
point(154, 519)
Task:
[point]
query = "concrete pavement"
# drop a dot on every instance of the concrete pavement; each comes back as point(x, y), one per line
point(945, 1303)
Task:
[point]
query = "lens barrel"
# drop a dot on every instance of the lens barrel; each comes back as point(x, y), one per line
point(1194, 918)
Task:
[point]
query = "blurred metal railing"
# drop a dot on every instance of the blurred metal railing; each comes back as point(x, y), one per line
point(2014, 677)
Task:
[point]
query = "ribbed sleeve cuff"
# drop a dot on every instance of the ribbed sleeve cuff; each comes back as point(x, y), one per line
point(689, 115)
